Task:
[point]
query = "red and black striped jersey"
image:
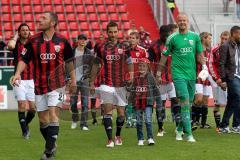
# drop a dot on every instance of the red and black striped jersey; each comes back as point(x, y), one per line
point(114, 59)
point(154, 56)
point(48, 58)
point(205, 54)
point(27, 73)
point(214, 61)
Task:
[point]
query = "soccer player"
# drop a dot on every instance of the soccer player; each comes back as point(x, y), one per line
point(166, 85)
point(220, 96)
point(49, 52)
point(143, 92)
point(203, 88)
point(136, 52)
point(114, 56)
point(25, 92)
point(184, 47)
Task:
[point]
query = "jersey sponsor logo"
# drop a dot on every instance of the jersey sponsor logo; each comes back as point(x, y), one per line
point(135, 60)
point(137, 54)
point(120, 51)
point(47, 56)
point(57, 48)
point(191, 42)
point(141, 89)
point(187, 49)
point(24, 51)
point(113, 57)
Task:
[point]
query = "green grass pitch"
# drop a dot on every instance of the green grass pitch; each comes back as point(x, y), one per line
point(82, 145)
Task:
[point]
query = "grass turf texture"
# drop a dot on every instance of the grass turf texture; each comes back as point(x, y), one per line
point(82, 145)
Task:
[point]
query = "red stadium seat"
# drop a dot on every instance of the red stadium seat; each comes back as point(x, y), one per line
point(101, 9)
point(120, 2)
point(120, 35)
point(112, 9)
point(99, 2)
point(29, 17)
point(16, 2)
point(17, 24)
point(73, 25)
point(126, 25)
point(48, 8)
point(59, 9)
point(103, 17)
point(26, 2)
point(8, 26)
point(38, 9)
point(5, 2)
point(31, 26)
point(68, 2)
point(8, 34)
point(87, 33)
point(109, 2)
point(91, 9)
point(114, 17)
point(27, 9)
point(47, 2)
point(69, 9)
point(124, 17)
point(88, 2)
point(37, 16)
point(6, 17)
point(65, 34)
point(62, 26)
point(93, 17)
point(96, 34)
point(95, 26)
point(104, 25)
point(82, 17)
point(78, 1)
point(74, 34)
point(6, 9)
point(61, 17)
point(84, 26)
point(71, 17)
point(122, 9)
point(18, 18)
point(37, 2)
point(80, 9)
point(58, 2)
point(16, 9)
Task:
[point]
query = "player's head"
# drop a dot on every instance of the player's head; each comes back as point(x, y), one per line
point(173, 28)
point(134, 38)
point(141, 29)
point(164, 32)
point(24, 31)
point(224, 36)
point(48, 20)
point(112, 31)
point(143, 66)
point(182, 21)
point(206, 39)
point(82, 40)
point(235, 33)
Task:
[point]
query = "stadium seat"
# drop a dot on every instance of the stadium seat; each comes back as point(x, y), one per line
point(58, 2)
point(80, 9)
point(59, 9)
point(8, 34)
point(69, 8)
point(16, 2)
point(114, 17)
point(73, 25)
point(112, 9)
point(61, 17)
point(26, 2)
point(31, 26)
point(37, 2)
point(96, 34)
point(126, 25)
point(8, 26)
point(17, 24)
point(48, 8)
point(124, 17)
point(65, 34)
point(82, 17)
point(87, 33)
point(99, 2)
point(120, 35)
point(5, 2)
point(103, 17)
point(78, 1)
point(29, 17)
point(74, 34)
point(68, 2)
point(101, 9)
point(95, 26)
point(120, 2)
point(104, 25)
point(62, 26)
point(47, 2)
point(91, 9)
point(88, 2)
point(84, 26)
point(6, 17)
point(71, 17)
point(122, 9)
point(109, 2)
point(27, 9)
point(18, 18)
point(37, 16)
point(6, 9)
point(93, 17)
point(38, 9)
point(16, 9)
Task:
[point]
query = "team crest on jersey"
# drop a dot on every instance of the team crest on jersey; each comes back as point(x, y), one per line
point(57, 48)
point(120, 51)
point(191, 42)
point(165, 49)
point(137, 54)
point(24, 51)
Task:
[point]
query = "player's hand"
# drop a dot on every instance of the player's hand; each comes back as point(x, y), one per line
point(16, 80)
point(203, 75)
point(223, 85)
point(219, 81)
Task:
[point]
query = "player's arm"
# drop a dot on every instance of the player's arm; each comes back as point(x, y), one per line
point(12, 42)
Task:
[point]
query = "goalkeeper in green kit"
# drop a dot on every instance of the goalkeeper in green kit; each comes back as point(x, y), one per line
point(185, 48)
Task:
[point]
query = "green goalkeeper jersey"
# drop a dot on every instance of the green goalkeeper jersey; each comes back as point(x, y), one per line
point(183, 48)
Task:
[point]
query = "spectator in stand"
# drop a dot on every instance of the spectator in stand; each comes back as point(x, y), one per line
point(2, 47)
point(132, 29)
point(171, 5)
point(238, 8)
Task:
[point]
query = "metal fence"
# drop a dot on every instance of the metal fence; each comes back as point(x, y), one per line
point(6, 59)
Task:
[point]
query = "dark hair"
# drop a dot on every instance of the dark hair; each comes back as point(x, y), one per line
point(204, 35)
point(21, 25)
point(225, 33)
point(234, 29)
point(172, 26)
point(164, 33)
point(54, 17)
point(112, 24)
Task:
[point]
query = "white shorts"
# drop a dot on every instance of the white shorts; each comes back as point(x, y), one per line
point(167, 91)
point(53, 98)
point(219, 95)
point(203, 89)
point(113, 95)
point(25, 91)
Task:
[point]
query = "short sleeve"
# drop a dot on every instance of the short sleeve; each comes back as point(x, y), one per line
point(199, 48)
point(168, 46)
point(27, 52)
point(68, 52)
